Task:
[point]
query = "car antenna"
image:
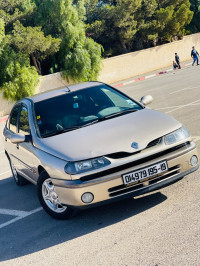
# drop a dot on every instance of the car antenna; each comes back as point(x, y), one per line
point(68, 90)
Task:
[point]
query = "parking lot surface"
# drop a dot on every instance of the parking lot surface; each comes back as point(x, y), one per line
point(161, 228)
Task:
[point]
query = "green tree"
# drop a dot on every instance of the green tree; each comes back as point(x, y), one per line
point(112, 23)
point(147, 34)
point(31, 41)
point(195, 23)
point(123, 25)
point(18, 78)
point(79, 57)
point(161, 21)
point(13, 10)
point(172, 20)
point(2, 34)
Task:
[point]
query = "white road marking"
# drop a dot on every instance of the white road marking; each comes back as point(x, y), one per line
point(168, 107)
point(129, 82)
point(5, 172)
point(188, 88)
point(13, 212)
point(178, 106)
point(150, 76)
point(195, 104)
point(182, 106)
point(10, 222)
point(21, 215)
point(36, 210)
point(168, 70)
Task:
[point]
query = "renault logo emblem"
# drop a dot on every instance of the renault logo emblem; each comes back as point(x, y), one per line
point(135, 145)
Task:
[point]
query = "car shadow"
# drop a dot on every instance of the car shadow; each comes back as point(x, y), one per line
point(39, 231)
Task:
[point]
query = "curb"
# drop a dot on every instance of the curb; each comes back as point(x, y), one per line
point(3, 119)
point(148, 76)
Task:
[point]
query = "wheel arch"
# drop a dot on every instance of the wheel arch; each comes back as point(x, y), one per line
point(41, 169)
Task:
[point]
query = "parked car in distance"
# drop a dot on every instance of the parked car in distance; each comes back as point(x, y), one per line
point(90, 144)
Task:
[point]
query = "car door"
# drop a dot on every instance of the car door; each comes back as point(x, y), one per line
point(25, 149)
point(11, 129)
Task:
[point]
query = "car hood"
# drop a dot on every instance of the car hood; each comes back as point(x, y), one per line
point(110, 136)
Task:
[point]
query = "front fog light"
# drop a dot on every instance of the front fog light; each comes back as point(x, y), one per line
point(87, 197)
point(194, 160)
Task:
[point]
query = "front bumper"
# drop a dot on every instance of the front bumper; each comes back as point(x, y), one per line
point(111, 188)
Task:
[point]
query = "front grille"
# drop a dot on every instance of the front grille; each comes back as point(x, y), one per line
point(122, 189)
point(122, 154)
point(119, 155)
point(133, 164)
point(154, 143)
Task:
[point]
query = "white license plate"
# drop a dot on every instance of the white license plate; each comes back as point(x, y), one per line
point(145, 172)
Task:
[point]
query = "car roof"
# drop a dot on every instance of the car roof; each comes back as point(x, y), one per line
point(63, 90)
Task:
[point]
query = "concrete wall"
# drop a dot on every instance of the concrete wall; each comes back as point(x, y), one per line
point(125, 66)
point(137, 63)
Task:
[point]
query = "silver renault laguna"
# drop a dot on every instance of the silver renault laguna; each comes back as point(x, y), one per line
point(90, 144)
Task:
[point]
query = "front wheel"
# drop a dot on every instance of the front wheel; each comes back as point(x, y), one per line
point(49, 199)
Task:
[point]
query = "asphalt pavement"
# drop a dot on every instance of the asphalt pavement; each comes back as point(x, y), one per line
point(161, 228)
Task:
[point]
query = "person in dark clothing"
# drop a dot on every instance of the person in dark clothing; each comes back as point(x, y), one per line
point(195, 56)
point(177, 59)
point(175, 66)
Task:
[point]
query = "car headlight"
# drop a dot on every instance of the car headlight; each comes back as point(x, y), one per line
point(85, 166)
point(176, 136)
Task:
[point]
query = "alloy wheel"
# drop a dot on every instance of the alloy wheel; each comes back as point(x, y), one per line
point(51, 198)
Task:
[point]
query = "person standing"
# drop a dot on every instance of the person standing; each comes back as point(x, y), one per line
point(177, 59)
point(195, 56)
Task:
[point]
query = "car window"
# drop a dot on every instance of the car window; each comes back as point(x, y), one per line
point(24, 122)
point(13, 119)
point(119, 100)
point(79, 108)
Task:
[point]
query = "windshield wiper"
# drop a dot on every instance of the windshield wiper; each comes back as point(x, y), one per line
point(117, 114)
point(91, 123)
point(61, 131)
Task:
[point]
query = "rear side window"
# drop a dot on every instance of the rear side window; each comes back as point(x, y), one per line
point(13, 119)
point(24, 122)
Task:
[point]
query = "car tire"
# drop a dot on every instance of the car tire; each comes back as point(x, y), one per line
point(49, 199)
point(19, 180)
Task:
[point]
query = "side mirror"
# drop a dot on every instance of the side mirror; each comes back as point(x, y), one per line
point(145, 100)
point(18, 138)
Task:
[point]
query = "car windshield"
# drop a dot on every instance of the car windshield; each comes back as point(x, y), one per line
point(81, 108)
